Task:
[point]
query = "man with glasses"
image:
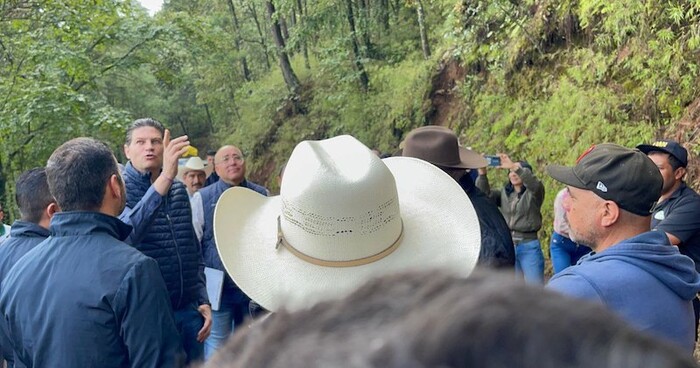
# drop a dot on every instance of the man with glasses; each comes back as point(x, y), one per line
point(229, 164)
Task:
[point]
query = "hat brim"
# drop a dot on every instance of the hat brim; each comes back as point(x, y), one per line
point(182, 170)
point(565, 175)
point(470, 160)
point(441, 230)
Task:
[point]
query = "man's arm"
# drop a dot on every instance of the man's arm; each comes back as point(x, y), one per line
point(142, 215)
point(575, 286)
point(147, 327)
point(482, 183)
point(197, 216)
point(683, 222)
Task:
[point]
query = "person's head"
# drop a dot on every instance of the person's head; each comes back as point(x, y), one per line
point(83, 176)
point(671, 158)
point(433, 319)
point(229, 164)
point(34, 199)
point(515, 179)
point(144, 145)
point(613, 191)
point(193, 174)
point(440, 146)
point(211, 154)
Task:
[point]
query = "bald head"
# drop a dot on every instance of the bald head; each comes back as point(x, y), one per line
point(230, 165)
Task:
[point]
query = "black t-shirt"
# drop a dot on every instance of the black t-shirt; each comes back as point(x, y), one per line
point(679, 215)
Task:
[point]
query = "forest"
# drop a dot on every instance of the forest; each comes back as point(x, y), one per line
point(541, 80)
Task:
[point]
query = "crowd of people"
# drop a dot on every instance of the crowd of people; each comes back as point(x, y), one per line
point(359, 261)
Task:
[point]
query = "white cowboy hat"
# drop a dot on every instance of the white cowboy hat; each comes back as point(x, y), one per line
point(343, 217)
point(193, 163)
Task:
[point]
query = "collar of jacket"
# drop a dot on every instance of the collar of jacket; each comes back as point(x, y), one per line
point(28, 230)
point(88, 223)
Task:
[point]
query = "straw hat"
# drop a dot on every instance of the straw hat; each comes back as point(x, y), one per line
point(439, 146)
point(343, 217)
point(193, 163)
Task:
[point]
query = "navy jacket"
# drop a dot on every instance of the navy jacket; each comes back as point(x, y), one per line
point(24, 236)
point(83, 298)
point(163, 231)
point(643, 279)
point(497, 248)
point(210, 195)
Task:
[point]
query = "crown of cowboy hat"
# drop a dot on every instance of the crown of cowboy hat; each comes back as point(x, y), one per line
point(193, 163)
point(343, 217)
point(440, 146)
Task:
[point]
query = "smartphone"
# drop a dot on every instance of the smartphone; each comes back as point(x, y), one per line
point(493, 160)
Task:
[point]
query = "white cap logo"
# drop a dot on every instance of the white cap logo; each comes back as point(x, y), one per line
point(601, 187)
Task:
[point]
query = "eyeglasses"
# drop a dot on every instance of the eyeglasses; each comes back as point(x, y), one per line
point(227, 159)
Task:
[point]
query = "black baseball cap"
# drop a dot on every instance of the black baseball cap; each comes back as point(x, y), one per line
point(673, 148)
point(623, 175)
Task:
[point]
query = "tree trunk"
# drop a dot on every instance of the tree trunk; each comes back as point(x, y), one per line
point(209, 119)
point(237, 42)
point(290, 78)
point(364, 79)
point(302, 23)
point(423, 29)
point(363, 14)
point(384, 14)
point(263, 40)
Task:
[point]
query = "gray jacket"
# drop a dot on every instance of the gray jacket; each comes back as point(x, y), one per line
point(521, 210)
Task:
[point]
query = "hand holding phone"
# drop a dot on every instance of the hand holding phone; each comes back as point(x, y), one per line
point(493, 160)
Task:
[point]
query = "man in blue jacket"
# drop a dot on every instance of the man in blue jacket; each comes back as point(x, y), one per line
point(631, 270)
point(83, 297)
point(158, 208)
point(229, 164)
point(36, 208)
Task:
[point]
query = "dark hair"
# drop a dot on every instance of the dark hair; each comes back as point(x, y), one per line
point(77, 173)
point(674, 162)
point(32, 194)
point(431, 319)
point(211, 153)
point(140, 123)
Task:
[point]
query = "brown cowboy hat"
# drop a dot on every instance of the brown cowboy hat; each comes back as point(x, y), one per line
point(439, 146)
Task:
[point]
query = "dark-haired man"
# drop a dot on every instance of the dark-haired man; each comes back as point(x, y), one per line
point(214, 177)
point(633, 271)
point(4, 229)
point(36, 208)
point(83, 297)
point(678, 212)
point(158, 207)
point(439, 146)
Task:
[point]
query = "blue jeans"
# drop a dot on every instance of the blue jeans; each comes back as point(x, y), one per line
point(565, 252)
point(222, 323)
point(188, 322)
point(529, 261)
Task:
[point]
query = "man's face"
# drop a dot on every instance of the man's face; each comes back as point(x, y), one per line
point(581, 208)
point(194, 180)
point(230, 165)
point(210, 160)
point(146, 149)
point(2, 214)
point(667, 173)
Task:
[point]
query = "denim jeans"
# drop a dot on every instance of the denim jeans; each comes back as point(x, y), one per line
point(188, 322)
point(565, 252)
point(222, 324)
point(529, 261)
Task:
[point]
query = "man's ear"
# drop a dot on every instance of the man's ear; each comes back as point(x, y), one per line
point(115, 186)
point(679, 173)
point(51, 210)
point(611, 213)
point(126, 151)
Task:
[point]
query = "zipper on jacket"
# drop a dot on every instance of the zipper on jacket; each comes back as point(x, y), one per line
point(177, 251)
